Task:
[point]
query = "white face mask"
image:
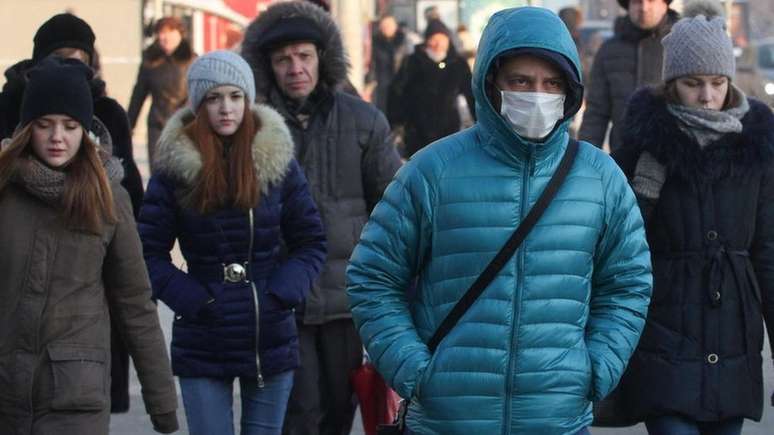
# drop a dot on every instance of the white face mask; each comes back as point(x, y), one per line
point(532, 114)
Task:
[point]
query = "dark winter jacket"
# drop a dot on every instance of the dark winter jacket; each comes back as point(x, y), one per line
point(630, 59)
point(163, 77)
point(712, 245)
point(346, 151)
point(249, 329)
point(60, 289)
point(106, 110)
point(386, 58)
point(423, 97)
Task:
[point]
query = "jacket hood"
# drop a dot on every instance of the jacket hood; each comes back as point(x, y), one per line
point(527, 27)
point(273, 150)
point(649, 126)
point(333, 59)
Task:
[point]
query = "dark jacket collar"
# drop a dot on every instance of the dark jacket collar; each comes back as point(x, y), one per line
point(649, 126)
point(626, 30)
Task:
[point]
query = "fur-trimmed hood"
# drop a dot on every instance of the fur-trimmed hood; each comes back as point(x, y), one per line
point(153, 55)
point(273, 150)
point(649, 126)
point(333, 59)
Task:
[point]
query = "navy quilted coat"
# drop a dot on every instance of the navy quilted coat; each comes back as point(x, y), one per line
point(556, 327)
point(248, 330)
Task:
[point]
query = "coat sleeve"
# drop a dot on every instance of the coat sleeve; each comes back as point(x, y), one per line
point(115, 119)
point(621, 287)
point(383, 265)
point(596, 116)
point(380, 159)
point(158, 227)
point(763, 248)
point(396, 104)
point(139, 94)
point(304, 238)
point(134, 313)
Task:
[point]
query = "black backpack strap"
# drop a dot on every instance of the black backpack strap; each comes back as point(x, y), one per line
point(509, 249)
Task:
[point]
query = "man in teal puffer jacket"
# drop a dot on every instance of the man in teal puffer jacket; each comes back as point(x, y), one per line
point(556, 327)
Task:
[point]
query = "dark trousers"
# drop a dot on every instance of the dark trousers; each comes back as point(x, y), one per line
point(322, 401)
point(676, 425)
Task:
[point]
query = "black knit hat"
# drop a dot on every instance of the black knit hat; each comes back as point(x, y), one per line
point(58, 86)
point(436, 26)
point(625, 3)
point(291, 29)
point(63, 30)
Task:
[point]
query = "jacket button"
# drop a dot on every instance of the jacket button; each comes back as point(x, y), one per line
point(716, 296)
point(712, 358)
point(712, 235)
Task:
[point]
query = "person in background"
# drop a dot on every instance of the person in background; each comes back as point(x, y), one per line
point(700, 157)
point(628, 60)
point(68, 36)
point(388, 49)
point(345, 147)
point(227, 187)
point(72, 263)
point(423, 96)
point(555, 328)
point(162, 76)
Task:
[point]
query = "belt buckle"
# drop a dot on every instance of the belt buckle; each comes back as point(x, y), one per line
point(234, 273)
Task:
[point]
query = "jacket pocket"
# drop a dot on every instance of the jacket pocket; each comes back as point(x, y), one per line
point(79, 375)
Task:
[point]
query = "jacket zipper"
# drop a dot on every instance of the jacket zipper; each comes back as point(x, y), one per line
point(528, 170)
point(255, 300)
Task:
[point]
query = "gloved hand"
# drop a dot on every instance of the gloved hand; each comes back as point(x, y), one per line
point(165, 423)
point(649, 177)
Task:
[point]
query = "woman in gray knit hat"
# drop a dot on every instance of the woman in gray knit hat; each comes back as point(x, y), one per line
point(700, 157)
point(228, 189)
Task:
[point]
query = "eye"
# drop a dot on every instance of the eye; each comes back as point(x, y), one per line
point(211, 98)
point(42, 123)
point(71, 126)
point(237, 96)
point(556, 84)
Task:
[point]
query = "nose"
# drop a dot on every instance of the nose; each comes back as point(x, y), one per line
point(295, 66)
point(57, 133)
point(705, 94)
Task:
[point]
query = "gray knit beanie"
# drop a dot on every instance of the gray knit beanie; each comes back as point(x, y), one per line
point(698, 46)
point(219, 68)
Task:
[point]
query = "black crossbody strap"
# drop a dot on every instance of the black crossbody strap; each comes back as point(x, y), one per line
point(508, 250)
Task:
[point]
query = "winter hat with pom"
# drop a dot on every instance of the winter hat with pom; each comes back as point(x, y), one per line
point(698, 45)
point(219, 68)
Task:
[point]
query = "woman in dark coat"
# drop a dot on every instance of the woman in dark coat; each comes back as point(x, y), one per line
point(700, 157)
point(68, 36)
point(228, 189)
point(423, 95)
point(72, 270)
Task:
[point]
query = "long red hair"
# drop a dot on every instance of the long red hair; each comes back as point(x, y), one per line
point(87, 199)
point(224, 182)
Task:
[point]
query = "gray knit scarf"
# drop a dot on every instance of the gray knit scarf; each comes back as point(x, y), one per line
point(706, 125)
point(48, 184)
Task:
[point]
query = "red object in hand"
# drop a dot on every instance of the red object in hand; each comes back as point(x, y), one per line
point(378, 402)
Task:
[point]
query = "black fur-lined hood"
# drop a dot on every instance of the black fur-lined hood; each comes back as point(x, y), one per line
point(649, 126)
point(333, 59)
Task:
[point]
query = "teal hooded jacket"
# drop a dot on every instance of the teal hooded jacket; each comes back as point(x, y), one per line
point(556, 327)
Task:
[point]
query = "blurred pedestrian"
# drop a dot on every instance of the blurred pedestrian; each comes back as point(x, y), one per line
point(700, 157)
point(68, 36)
point(388, 49)
point(423, 96)
point(628, 60)
point(556, 326)
point(162, 76)
point(345, 148)
point(73, 261)
point(227, 187)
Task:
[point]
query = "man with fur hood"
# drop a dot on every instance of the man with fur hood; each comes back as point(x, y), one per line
point(344, 146)
point(162, 75)
point(628, 60)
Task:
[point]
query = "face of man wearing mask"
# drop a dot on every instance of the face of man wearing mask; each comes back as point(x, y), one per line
point(647, 14)
point(531, 95)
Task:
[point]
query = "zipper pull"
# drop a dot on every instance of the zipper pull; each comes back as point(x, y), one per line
point(261, 384)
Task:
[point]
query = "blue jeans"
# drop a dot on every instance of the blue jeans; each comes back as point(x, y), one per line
point(676, 425)
point(209, 404)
